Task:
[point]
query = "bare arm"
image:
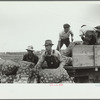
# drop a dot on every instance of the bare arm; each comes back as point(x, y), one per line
point(59, 37)
point(41, 60)
point(59, 41)
point(71, 35)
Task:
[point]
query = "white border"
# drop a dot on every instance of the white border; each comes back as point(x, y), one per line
point(45, 91)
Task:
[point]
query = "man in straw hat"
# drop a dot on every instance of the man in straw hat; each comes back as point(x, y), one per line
point(52, 57)
point(30, 56)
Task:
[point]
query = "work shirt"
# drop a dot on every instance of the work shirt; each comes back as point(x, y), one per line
point(64, 35)
point(55, 56)
point(84, 29)
point(31, 58)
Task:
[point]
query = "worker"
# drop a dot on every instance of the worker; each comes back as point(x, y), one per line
point(88, 35)
point(64, 36)
point(52, 57)
point(30, 56)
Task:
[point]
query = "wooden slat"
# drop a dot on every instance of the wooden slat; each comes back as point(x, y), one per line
point(97, 55)
point(83, 56)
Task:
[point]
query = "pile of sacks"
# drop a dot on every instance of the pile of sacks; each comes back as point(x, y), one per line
point(23, 72)
point(16, 72)
point(25, 67)
point(58, 75)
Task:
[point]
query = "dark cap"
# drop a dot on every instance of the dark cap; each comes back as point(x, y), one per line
point(66, 26)
point(83, 26)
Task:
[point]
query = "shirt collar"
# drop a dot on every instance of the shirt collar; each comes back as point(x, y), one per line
point(48, 53)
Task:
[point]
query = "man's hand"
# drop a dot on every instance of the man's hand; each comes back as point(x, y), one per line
point(37, 67)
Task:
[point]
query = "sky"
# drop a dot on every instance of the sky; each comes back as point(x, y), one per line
point(24, 23)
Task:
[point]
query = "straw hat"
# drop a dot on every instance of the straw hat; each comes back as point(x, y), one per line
point(30, 48)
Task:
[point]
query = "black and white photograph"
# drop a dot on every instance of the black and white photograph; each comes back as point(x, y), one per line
point(49, 49)
point(49, 42)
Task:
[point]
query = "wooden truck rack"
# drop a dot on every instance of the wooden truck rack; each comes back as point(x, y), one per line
point(85, 64)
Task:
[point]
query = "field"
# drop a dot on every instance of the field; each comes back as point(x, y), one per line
point(17, 56)
point(14, 57)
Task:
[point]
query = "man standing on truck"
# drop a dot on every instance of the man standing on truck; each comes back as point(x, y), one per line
point(88, 35)
point(64, 36)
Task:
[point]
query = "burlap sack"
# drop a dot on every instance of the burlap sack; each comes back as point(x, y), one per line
point(53, 75)
point(9, 67)
point(68, 52)
point(25, 73)
point(8, 70)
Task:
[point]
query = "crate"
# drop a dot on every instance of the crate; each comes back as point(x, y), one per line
point(83, 56)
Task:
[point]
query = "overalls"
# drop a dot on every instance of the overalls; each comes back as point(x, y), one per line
point(52, 61)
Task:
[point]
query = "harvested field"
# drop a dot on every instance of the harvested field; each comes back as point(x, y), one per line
point(16, 56)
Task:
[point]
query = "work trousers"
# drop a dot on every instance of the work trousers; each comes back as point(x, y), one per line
point(63, 41)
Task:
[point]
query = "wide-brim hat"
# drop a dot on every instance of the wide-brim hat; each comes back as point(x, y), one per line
point(30, 48)
point(48, 42)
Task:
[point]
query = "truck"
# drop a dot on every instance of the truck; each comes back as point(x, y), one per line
point(85, 64)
